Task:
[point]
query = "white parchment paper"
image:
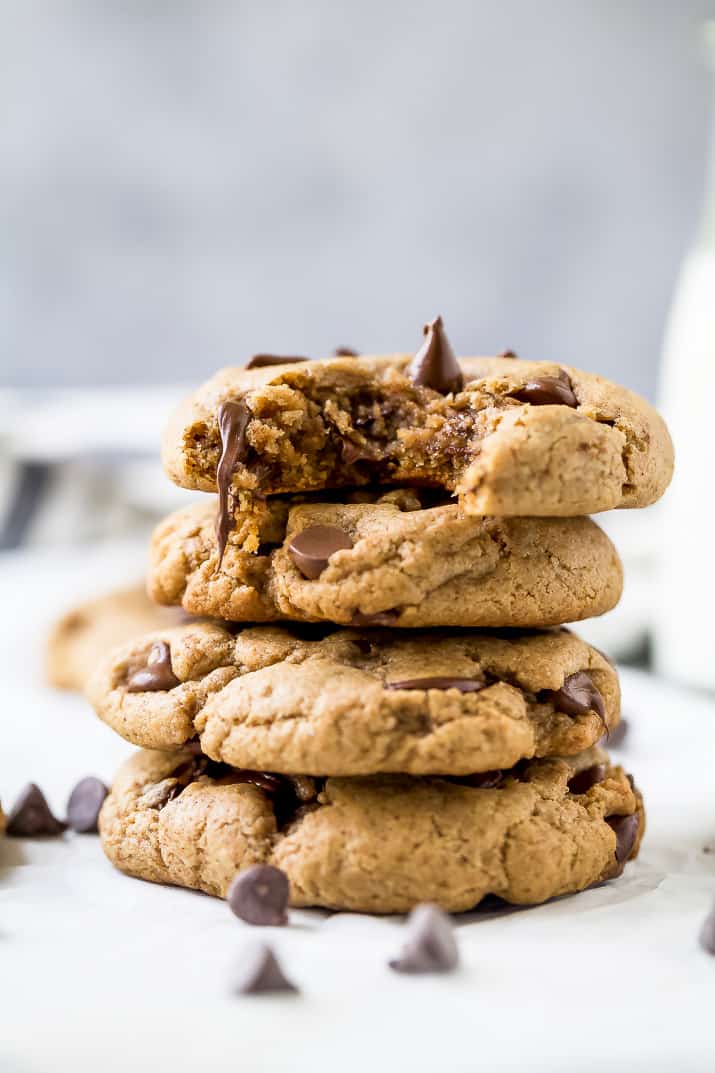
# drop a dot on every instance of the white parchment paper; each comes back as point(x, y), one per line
point(102, 972)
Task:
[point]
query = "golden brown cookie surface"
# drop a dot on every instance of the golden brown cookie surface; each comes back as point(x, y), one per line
point(434, 566)
point(519, 438)
point(379, 844)
point(349, 702)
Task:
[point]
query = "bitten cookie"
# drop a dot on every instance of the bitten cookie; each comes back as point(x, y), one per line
point(86, 633)
point(510, 437)
point(392, 557)
point(380, 844)
point(356, 702)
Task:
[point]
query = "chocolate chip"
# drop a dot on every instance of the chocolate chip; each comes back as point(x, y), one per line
point(84, 804)
point(508, 354)
point(233, 417)
point(431, 946)
point(547, 391)
point(263, 361)
point(31, 817)
point(464, 685)
point(346, 352)
point(435, 365)
point(625, 829)
point(260, 973)
point(311, 549)
point(259, 895)
point(582, 781)
point(157, 676)
point(707, 933)
point(577, 695)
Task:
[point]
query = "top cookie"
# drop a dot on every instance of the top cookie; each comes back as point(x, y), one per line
point(510, 437)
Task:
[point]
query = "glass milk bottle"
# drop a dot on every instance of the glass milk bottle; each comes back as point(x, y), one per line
point(684, 626)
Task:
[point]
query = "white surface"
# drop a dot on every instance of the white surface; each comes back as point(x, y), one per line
point(100, 971)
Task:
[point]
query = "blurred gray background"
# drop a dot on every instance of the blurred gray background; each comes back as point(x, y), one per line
point(183, 184)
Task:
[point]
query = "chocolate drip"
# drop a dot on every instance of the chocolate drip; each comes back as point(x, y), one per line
point(157, 676)
point(233, 418)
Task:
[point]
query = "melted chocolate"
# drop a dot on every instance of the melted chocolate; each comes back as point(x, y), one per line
point(233, 418)
point(157, 676)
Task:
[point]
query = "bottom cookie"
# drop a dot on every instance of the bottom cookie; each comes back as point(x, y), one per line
point(376, 844)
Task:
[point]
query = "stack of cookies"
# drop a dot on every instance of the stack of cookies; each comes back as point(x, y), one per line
point(373, 691)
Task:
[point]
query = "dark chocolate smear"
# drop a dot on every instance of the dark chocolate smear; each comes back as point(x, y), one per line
point(435, 365)
point(625, 829)
point(233, 418)
point(310, 550)
point(259, 895)
point(31, 816)
point(431, 946)
point(577, 695)
point(158, 675)
point(260, 972)
point(84, 804)
point(264, 361)
point(464, 685)
point(547, 391)
point(582, 781)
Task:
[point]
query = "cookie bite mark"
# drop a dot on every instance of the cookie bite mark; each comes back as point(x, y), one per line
point(516, 438)
point(157, 675)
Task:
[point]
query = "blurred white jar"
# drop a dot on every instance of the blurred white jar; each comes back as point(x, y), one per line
point(684, 626)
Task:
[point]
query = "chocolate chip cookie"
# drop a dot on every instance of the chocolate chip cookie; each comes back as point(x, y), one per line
point(390, 556)
point(509, 437)
point(84, 634)
point(353, 702)
point(380, 844)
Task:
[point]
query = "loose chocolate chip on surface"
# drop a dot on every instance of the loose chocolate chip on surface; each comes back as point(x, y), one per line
point(259, 972)
point(259, 895)
point(346, 352)
point(435, 365)
point(264, 361)
point(84, 804)
point(582, 781)
point(625, 829)
point(508, 354)
point(707, 932)
point(431, 945)
point(233, 417)
point(311, 549)
point(30, 816)
point(464, 685)
point(157, 676)
point(577, 695)
point(547, 391)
